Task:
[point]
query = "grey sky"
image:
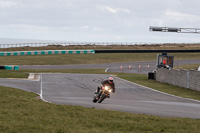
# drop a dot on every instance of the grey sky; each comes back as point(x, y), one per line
point(98, 20)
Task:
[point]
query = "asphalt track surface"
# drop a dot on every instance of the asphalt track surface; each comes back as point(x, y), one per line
point(78, 89)
point(114, 67)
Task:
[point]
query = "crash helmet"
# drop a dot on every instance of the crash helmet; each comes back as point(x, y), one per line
point(110, 79)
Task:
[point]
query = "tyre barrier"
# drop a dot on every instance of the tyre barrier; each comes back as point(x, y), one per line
point(9, 67)
point(47, 52)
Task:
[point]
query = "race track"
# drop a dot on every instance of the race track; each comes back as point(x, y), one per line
point(78, 89)
point(113, 67)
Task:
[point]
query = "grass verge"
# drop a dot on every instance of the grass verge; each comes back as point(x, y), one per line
point(189, 66)
point(170, 89)
point(88, 58)
point(21, 112)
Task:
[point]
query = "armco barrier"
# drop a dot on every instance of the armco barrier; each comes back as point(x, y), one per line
point(47, 52)
point(148, 51)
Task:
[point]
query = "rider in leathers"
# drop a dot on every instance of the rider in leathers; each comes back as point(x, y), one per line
point(108, 83)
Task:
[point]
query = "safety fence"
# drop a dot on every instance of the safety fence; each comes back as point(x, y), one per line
point(15, 45)
point(179, 77)
point(47, 52)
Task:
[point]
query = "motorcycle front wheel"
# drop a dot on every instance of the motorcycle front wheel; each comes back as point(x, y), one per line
point(102, 98)
point(94, 99)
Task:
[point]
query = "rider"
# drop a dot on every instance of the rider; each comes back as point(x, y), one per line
point(109, 83)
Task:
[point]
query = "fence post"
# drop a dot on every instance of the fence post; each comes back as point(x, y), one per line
point(188, 79)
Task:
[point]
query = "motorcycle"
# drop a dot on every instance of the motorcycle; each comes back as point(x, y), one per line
point(104, 94)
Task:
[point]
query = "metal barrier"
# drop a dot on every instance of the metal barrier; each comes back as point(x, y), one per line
point(147, 51)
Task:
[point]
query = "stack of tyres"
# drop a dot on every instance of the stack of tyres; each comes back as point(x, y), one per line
point(151, 75)
point(16, 67)
point(2, 67)
point(9, 67)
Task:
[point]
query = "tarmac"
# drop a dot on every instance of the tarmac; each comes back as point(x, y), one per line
point(78, 89)
point(114, 67)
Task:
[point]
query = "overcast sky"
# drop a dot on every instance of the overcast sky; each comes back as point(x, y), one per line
point(98, 20)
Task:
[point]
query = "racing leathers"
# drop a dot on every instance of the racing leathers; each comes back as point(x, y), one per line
point(105, 83)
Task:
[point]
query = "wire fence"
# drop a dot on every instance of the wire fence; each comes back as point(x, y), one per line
point(67, 44)
point(12, 45)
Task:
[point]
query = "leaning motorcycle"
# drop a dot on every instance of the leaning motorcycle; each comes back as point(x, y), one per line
point(105, 94)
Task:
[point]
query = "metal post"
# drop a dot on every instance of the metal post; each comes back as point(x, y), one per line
point(188, 79)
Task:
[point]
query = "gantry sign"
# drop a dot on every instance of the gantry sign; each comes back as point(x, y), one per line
point(172, 29)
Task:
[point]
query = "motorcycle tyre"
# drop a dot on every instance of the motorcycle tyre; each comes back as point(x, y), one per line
point(94, 100)
point(102, 98)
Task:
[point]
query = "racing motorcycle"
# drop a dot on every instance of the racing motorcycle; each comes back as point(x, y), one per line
point(105, 94)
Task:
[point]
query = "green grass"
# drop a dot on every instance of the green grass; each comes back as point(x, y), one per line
point(189, 66)
point(13, 74)
point(21, 112)
point(170, 89)
point(88, 58)
point(25, 73)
